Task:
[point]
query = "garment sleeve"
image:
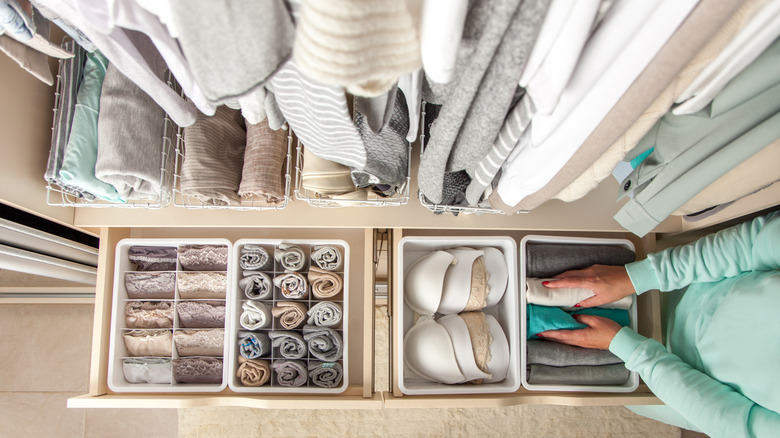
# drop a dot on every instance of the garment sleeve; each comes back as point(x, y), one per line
point(750, 246)
point(715, 408)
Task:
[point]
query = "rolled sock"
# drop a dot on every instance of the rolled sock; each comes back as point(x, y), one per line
point(291, 314)
point(324, 343)
point(292, 284)
point(255, 315)
point(256, 285)
point(290, 257)
point(325, 374)
point(325, 314)
point(291, 344)
point(326, 257)
point(290, 372)
point(253, 258)
point(253, 372)
point(324, 284)
point(253, 345)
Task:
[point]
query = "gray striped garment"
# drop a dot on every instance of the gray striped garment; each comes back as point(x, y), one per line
point(319, 116)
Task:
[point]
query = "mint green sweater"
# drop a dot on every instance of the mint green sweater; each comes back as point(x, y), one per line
point(721, 368)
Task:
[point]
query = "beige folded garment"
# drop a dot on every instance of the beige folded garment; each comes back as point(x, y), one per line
point(149, 314)
point(263, 170)
point(325, 177)
point(324, 284)
point(200, 342)
point(156, 343)
point(203, 285)
point(291, 314)
point(253, 372)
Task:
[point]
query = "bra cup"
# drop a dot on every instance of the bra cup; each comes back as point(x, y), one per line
point(428, 352)
point(424, 282)
point(498, 276)
point(464, 350)
point(499, 352)
point(457, 282)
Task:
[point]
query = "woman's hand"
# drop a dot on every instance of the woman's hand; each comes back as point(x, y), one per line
point(598, 334)
point(608, 283)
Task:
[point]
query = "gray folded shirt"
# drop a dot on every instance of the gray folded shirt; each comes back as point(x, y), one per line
point(562, 355)
point(550, 259)
point(616, 374)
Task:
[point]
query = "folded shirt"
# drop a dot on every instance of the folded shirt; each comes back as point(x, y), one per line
point(537, 293)
point(616, 374)
point(550, 259)
point(541, 318)
point(562, 355)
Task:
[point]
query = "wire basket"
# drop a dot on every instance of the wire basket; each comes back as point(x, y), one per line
point(247, 203)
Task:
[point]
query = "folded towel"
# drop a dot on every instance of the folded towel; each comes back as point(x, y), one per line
point(550, 259)
point(254, 258)
point(152, 258)
point(147, 370)
point(255, 315)
point(148, 342)
point(327, 257)
point(200, 342)
point(291, 344)
point(616, 374)
point(253, 372)
point(256, 285)
point(263, 170)
point(324, 284)
point(290, 372)
point(565, 296)
point(291, 314)
point(201, 314)
point(325, 314)
point(203, 257)
point(325, 374)
point(202, 370)
point(253, 345)
point(324, 343)
point(202, 285)
point(290, 256)
point(150, 285)
point(292, 284)
point(562, 355)
point(149, 314)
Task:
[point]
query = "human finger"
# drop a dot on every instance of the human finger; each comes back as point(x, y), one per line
point(562, 336)
point(572, 273)
point(580, 282)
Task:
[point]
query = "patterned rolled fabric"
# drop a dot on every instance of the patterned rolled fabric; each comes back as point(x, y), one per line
point(201, 314)
point(325, 374)
point(150, 285)
point(152, 258)
point(149, 314)
point(325, 344)
point(325, 314)
point(200, 342)
point(197, 370)
point(255, 315)
point(290, 372)
point(147, 370)
point(291, 314)
point(256, 285)
point(203, 257)
point(253, 372)
point(253, 345)
point(291, 344)
point(292, 284)
point(148, 343)
point(290, 257)
point(324, 284)
point(254, 258)
point(326, 257)
point(202, 285)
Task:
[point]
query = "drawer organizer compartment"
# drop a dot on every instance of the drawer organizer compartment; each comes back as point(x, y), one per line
point(168, 315)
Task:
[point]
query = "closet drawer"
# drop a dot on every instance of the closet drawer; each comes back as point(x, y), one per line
point(359, 392)
point(649, 318)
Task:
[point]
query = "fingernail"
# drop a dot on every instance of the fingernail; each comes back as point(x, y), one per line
point(577, 305)
point(539, 335)
point(545, 283)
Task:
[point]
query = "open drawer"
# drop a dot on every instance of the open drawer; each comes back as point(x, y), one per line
point(649, 324)
point(360, 339)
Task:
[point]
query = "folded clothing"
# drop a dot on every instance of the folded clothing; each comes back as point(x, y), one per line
point(150, 285)
point(200, 342)
point(291, 344)
point(324, 343)
point(550, 259)
point(536, 293)
point(147, 370)
point(149, 314)
point(201, 314)
point(324, 284)
point(325, 314)
point(562, 355)
point(327, 257)
point(263, 169)
point(325, 374)
point(148, 343)
point(256, 285)
point(253, 345)
point(615, 374)
point(203, 257)
point(254, 258)
point(203, 370)
point(291, 314)
point(541, 318)
point(291, 257)
point(292, 284)
point(290, 372)
point(202, 285)
point(152, 258)
point(325, 177)
point(255, 315)
point(253, 372)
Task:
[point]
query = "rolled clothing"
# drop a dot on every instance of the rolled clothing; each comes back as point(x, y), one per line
point(325, 177)
point(290, 372)
point(324, 343)
point(150, 285)
point(147, 370)
point(198, 370)
point(541, 318)
point(254, 258)
point(538, 294)
point(324, 284)
point(325, 374)
point(263, 171)
point(152, 258)
point(202, 285)
point(255, 315)
point(253, 372)
point(327, 257)
point(291, 344)
point(256, 285)
point(200, 342)
point(562, 355)
point(149, 314)
point(290, 257)
point(325, 314)
point(203, 257)
point(615, 374)
point(292, 284)
point(291, 314)
point(201, 314)
point(157, 343)
point(253, 345)
point(550, 259)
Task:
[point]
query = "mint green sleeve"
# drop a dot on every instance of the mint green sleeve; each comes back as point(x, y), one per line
point(750, 246)
point(713, 407)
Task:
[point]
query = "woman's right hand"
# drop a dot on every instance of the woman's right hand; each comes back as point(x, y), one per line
point(608, 283)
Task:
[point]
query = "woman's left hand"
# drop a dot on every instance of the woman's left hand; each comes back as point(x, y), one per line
point(598, 334)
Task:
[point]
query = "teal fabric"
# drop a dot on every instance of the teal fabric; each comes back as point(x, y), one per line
point(719, 368)
point(694, 150)
point(638, 160)
point(78, 165)
point(543, 318)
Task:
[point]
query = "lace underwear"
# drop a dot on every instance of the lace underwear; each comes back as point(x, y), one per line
point(325, 314)
point(324, 284)
point(325, 374)
point(290, 257)
point(150, 285)
point(253, 345)
point(292, 284)
point(254, 258)
point(326, 257)
point(201, 314)
point(256, 285)
point(203, 285)
point(148, 343)
point(290, 372)
point(479, 332)
point(255, 315)
point(197, 370)
point(149, 314)
point(291, 344)
point(325, 344)
point(253, 372)
point(479, 290)
point(291, 314)
point(203, 257)
point(149, 370)
point(152, 258)
point(200, 342)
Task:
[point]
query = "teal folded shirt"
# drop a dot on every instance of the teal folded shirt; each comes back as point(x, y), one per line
point(543, 318)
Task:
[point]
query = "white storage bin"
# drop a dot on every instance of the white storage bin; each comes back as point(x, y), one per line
point(238, 297)
point(117, 348)
point(633, 380)
point(506, 313)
